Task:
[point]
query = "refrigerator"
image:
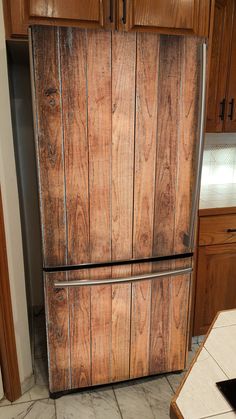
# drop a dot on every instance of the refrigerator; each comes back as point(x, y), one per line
point(119, 123)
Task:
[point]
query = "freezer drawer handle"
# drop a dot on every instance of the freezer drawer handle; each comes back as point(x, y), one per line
point(189, 240)
point(85, 282)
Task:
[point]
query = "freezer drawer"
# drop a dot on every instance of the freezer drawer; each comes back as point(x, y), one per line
point(113, 330)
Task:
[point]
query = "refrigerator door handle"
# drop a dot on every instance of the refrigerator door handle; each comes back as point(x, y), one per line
point(88, 282)
point(189, 239)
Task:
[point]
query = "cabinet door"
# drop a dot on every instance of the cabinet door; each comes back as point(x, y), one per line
point(113, 332)
point(166, 16)
point(222, 30)
point(230, 120)
point(215, 288)
point(19, 14)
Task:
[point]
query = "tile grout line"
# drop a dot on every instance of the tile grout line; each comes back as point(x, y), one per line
point(117, 402)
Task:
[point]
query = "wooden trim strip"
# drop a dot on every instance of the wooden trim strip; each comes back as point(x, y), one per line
point(8, 354)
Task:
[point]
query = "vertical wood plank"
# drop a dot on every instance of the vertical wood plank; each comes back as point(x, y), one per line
point(187, 143)
point(144, 192)
point(167, 144)
point(169, 323)
point(99, 136)
point(123, 106)
point(49, 144)
point(74, 105)
point(80, 333)
point(57, 323)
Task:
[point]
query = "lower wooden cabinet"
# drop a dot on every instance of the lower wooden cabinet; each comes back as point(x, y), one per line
point(112, 332)
point(216, 284)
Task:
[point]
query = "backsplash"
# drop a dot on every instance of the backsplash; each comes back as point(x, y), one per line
point(219, 160)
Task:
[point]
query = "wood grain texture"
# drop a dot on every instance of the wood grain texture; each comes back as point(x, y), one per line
point(221, 37)
point(230, 120)
point(166, 17)
point(73, 52)
point(49, 144)
point(215, 288)
point(80, 331)
point(99, 136)
point(169, 323)
point(167, 145)
point(144, 195)
point(123, 112)
point(8, 352)
point(214, 229)
point(82, 10)
point(58, 332)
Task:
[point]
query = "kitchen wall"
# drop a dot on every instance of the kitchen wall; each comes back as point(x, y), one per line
point(12, 222)
point(219, 161)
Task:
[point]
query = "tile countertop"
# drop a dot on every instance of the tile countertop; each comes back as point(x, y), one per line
point(217, 199)
point(199, 397)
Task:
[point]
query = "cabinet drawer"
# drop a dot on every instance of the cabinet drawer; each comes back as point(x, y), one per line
point(217, 229)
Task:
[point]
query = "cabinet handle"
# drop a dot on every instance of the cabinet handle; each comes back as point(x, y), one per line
point(231, 104)
point(124, 18)
point(111, 11)
point(85, 282)
point(231, 230)
point(222, 110)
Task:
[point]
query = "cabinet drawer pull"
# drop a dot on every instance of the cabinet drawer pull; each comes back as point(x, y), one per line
point(111, 11)
point(87, 282)
point(124, 12)
point(231, 113)
point(222, 110)
point(231, 230)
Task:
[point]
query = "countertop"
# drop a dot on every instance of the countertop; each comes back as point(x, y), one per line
point(198, 396)
point(217, 199)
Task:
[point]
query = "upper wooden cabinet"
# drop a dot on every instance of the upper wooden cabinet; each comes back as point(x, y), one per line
point(164, 16)
point(221, 115)
point(172, 16)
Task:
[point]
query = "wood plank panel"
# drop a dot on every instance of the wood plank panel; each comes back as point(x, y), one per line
point(123, 107)
point(49, 144)
point(101, 309)
point(99, 136)
point(57, 323)
point(169, 323)
point(167, 144)
point(80, 331)
point(74, 105)
point(144, 193)
point(187, 141)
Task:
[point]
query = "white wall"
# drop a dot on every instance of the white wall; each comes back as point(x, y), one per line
point(12, 219)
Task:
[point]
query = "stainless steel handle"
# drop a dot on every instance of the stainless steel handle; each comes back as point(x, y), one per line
point(87, 282)
point(201, 130)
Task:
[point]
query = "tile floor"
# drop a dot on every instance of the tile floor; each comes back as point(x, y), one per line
point(147, 398)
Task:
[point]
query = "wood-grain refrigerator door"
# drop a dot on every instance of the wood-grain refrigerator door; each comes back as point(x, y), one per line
point(116, 134)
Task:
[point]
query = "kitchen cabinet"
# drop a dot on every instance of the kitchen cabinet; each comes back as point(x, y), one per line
point(216, 267)
point(84, 13)
point(221, 114)
point(177, 17)
point(113, 332)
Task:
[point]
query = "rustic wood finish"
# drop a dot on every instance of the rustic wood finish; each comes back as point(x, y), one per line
point(125, 120)
point(8, 354)
point(214, 229)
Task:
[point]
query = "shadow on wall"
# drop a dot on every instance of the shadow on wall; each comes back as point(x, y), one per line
point(22, 121)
